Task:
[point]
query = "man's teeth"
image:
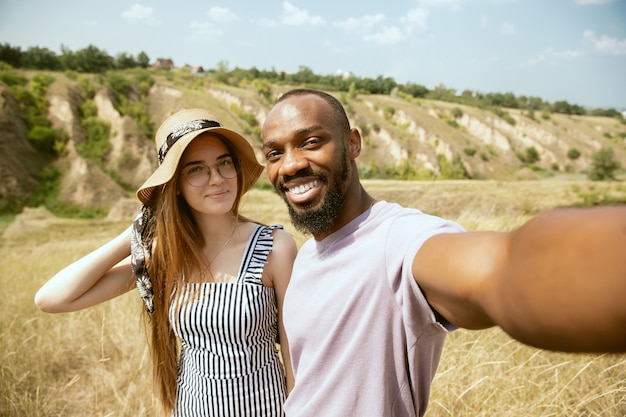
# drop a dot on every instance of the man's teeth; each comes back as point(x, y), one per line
point(301, 189)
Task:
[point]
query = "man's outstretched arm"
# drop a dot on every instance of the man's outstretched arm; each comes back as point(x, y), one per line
point(558, 282)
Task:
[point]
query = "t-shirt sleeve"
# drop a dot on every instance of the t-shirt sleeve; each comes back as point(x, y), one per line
point(408, 234)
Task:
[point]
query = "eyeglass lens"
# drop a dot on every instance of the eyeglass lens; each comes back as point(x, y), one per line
point(199, 174)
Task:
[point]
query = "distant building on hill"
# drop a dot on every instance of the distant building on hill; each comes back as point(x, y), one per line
point(163, 63)
point(196, 70)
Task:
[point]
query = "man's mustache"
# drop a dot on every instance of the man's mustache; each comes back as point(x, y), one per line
point(305, 172)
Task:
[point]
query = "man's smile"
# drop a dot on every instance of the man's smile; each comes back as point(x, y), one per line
point(301, 192)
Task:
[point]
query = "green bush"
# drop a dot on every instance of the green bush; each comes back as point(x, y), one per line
point(573, 154)
point(454, 170)
point(389, 112)
point(452, 123)
point(12, 79)
point(89, 89)
point(603, 165)
point(40, 83)
point(504, 115)
point(530, 156)
point(97, 145)
point(48, 140)
point(364, 129)
point(87, 109)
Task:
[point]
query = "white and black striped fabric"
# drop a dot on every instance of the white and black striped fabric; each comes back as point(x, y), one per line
point(229, 363)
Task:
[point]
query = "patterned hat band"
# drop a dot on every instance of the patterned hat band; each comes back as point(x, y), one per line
point(182, 130)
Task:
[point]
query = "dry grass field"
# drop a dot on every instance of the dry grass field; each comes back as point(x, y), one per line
point(95, 362)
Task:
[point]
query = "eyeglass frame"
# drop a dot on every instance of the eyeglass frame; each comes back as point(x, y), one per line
point(229, 158)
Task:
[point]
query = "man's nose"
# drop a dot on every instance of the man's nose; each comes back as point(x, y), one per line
point(293, 162)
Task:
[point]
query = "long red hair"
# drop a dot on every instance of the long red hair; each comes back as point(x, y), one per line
point(177, 253)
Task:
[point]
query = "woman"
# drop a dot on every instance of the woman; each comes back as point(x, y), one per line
point(209, 277)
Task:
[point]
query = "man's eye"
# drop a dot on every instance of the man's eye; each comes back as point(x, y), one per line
point(311, 142)
point(272, 155)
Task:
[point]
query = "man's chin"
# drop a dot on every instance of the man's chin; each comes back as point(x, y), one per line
point(314, 221)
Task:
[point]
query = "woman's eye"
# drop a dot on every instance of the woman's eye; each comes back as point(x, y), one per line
point(225, 163)
point(194, 170)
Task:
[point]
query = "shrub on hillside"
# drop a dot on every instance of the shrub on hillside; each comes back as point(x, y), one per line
point(603, 165)
point(573, 154)
point(48, 140)
point(97, 145)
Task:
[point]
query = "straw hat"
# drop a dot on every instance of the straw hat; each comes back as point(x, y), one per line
point(177, 132)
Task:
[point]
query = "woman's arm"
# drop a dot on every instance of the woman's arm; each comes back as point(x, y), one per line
point(99, 276)
point(280, 264)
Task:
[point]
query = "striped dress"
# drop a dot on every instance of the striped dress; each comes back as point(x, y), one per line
point(229, 363)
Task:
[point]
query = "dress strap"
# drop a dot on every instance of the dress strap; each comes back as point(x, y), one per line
point(255, 256)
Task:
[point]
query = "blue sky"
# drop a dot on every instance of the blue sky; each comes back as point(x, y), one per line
point(572, 50)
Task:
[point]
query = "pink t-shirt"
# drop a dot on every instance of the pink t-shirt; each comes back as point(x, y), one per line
point(362, 337)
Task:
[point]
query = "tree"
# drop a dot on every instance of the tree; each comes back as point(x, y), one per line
point(124, 60)
point(68, 59)
point(415, 90)
point(40, 58)
point(143, 60)
point(442, 93)
point(305, 75)
point(92, 60)
point(12, 55)
point(603, 165)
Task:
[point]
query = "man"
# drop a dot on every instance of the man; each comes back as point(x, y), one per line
point(373, 295)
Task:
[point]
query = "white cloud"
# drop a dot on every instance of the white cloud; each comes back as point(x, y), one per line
point(204, 32)
point(141, 14)
point(221, 14)
point(416, 17)
point(387, 36)
point(604, 44)
point(593, 2)
point(296, 17)
point(266, 22)
point(361, 23)
point(552, 57)
point(371, 30)
point(507, 29)
point(292, 16)
point(449, 4)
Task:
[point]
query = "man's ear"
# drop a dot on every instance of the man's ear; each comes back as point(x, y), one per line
point(354, 143)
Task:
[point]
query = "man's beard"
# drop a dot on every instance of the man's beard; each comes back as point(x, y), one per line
point(321, 220)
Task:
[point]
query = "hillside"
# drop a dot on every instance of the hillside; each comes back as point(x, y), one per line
point(403, 137)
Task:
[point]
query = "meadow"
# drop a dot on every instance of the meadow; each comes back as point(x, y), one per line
point(95, 362)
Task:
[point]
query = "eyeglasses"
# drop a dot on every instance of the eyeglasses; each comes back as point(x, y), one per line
point(197, 175)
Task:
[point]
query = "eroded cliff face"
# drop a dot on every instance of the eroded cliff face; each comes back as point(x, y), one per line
point(20, 163)
point(82, 183)
point(395, 131)
point(132, 155)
